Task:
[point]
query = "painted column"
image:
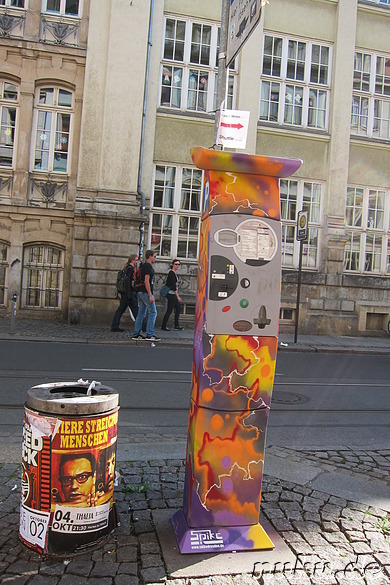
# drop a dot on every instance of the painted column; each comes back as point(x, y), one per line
point(235, 345)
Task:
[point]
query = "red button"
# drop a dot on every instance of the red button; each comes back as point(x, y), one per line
point(226, 309)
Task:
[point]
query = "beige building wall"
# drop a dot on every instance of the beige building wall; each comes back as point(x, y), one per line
point(30, 59)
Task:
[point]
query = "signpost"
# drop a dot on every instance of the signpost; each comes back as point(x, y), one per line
point(302, 233)
point(233, 128)
point(244, 16)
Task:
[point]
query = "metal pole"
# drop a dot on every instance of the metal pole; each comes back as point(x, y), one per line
point(222, 64)
point(298, 291)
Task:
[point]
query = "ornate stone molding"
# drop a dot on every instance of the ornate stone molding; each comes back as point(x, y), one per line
point(49, 191)
point(60, 31)
point(9, 22)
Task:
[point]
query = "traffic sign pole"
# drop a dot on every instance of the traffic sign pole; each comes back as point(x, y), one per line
point(222, 75)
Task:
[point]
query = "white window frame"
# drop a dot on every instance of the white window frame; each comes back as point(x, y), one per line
point(367, 225)
point(382, 3)
point(8, 4)
point(177, 75)
point(370, 115)
point(38, 275)
point(306, 195)
point(171, 210)
point(55, 110)
point(62, 9)
point(8, 104)
point(296, 95)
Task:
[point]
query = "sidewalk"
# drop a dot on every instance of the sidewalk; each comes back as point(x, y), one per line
point(39, 330)
point(327, 511)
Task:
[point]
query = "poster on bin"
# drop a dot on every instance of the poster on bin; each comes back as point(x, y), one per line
point(68, 472)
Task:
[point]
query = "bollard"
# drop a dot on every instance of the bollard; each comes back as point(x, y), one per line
point(68, 466)
point(13, 313)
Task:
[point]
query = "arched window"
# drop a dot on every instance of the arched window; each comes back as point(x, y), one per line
point(53, 113)
point(9, 98)
point(43, 267)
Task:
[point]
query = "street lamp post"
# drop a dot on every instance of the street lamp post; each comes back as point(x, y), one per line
point(221, 89)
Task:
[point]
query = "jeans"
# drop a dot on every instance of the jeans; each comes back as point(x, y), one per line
point(145, 305)
point(123, 304)
point(173, 303)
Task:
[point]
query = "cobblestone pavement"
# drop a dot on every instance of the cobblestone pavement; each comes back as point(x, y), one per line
point(334, 541)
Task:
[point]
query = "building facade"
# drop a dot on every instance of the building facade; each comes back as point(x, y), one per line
point(102, 101)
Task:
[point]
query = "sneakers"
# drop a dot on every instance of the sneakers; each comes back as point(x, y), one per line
point(152, 338)
point(178, 328)
point(165, 329)
point(117, 329)
point(137, 336)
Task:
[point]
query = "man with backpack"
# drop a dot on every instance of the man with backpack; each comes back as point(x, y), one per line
point(126, 292)
point(146, 300)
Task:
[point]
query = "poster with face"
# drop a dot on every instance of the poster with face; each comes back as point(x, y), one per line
point(68, 480)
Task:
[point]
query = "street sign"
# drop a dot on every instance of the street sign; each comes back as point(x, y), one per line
point(233, 128)
point(243, 17)
point(302, 227)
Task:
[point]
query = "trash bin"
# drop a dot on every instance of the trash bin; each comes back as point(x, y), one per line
point(68, 466)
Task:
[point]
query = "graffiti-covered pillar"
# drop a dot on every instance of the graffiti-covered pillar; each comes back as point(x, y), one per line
point(235, 344)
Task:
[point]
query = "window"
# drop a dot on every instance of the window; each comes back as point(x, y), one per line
point(13, 3)
point(3, 271)
point(189, 70)
point(294, 197)
point(42, 277)
point(175, 212)
point(371, 96)
point(9, 97)
point(62, 7)
point(53, 119)
point(367, 217)
point(295, 83)
point(379, 2)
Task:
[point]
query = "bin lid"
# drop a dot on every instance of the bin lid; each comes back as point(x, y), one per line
point(72, 398)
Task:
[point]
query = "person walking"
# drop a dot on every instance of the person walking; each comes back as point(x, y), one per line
point(173, 298)
point(146, 300)
point(129, 297)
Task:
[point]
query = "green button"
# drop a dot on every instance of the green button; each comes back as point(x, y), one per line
point(244, 303)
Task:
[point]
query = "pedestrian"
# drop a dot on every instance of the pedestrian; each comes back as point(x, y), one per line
point(146, 300)
point(173, 298)
point(129, 297)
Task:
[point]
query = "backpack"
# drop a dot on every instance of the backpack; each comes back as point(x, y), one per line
point(120, 282)
point(138, 282)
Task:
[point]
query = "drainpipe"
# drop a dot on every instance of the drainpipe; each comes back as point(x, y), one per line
point(140, 193)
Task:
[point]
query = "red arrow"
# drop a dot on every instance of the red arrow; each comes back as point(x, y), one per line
point(236, 126)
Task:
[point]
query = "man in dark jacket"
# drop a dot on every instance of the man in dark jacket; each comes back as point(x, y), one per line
point(129, 297)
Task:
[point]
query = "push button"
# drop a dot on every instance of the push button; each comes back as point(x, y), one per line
point(244, 303)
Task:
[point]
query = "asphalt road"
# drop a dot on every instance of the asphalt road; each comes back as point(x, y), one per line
point(319, 399)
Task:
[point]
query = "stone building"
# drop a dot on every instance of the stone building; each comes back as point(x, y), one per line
point(101, 102)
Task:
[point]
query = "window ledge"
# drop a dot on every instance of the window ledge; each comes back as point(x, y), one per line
point(185, 114)
point(370, 142)
point(322, 136)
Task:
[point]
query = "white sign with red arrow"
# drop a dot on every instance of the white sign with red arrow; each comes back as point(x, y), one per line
point(233, 128)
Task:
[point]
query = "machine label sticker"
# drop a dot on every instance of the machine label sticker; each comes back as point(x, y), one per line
point(206, 539)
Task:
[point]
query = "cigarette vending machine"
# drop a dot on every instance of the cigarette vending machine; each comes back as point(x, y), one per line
point(235, 344)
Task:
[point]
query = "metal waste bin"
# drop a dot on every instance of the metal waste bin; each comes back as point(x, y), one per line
point(68, 466)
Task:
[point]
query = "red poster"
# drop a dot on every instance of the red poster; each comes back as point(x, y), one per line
point(68, 480)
